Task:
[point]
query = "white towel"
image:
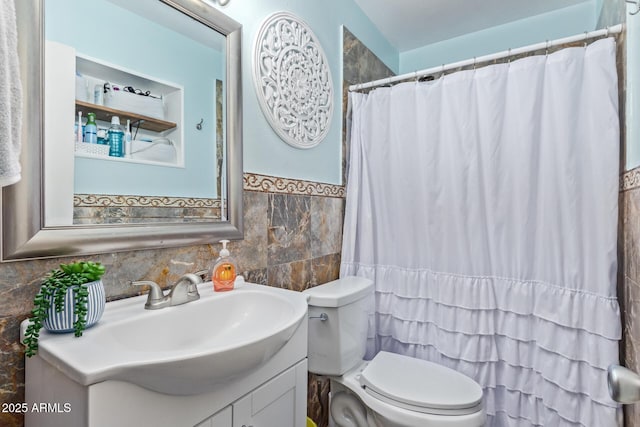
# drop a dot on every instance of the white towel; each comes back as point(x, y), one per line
point(10, 96)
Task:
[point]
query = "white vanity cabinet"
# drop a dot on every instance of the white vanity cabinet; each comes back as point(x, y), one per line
point(281, 402)
point(223, 418)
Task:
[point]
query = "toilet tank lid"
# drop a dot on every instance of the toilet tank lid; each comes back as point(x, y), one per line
point(339, 292)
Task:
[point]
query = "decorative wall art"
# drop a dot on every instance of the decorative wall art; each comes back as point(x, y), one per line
point(293, 81)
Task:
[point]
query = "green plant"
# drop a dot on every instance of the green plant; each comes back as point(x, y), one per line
point(74, 275)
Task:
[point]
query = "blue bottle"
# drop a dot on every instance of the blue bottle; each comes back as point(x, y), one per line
point(116, 138)
point(90, 129)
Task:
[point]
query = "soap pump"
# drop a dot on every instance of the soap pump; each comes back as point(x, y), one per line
point(223, 272)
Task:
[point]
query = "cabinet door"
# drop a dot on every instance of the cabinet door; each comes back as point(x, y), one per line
point(220, 419)
point(281, 402)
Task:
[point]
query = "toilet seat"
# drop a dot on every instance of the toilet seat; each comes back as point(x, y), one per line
point(420, 386)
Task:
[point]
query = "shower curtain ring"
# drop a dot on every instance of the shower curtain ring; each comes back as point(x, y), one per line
point(546, 48)
point(474, 62)
point(586, 35)
point(607, 33)
point(509, 56)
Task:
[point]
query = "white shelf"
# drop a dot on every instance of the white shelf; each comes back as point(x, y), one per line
point(128, 160)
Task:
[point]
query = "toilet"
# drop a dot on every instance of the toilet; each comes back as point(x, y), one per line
point(391, 390)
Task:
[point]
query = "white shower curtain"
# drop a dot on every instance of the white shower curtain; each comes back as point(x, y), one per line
point(484, 205)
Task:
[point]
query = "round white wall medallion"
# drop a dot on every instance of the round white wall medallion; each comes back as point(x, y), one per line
point(293, 80)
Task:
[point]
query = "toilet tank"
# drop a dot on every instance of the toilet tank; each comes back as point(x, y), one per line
point(338, 343)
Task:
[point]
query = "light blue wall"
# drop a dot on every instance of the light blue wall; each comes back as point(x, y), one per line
point(597, 6)
point(610, 12)
point(264, 151)
point(102, 30)
point(549, 26)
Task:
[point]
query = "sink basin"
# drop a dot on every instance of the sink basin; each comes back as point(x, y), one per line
point(182, 350)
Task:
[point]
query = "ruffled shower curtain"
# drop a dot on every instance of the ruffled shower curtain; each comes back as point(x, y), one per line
point(484, 206)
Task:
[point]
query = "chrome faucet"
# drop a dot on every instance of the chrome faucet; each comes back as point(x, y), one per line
point(183, 291)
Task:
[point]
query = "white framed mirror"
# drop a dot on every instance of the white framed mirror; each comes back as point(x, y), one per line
point(177, 185)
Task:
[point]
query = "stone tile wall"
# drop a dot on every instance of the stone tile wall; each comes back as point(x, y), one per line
point(293, 235)
point(629, 279)
point(614, 12)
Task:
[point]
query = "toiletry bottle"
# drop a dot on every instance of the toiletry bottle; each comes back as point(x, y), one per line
point(102, 136)
point(127, 140)
point(91, 129)
point(223, 272)
point(116, 138)
point(98, 94)
point(79, 132)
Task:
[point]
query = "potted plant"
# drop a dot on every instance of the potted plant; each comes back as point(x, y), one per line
point(71, 299)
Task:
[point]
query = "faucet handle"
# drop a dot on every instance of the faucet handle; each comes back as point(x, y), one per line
point(185, 289)
point(156, 296)
point(202, 274)
point(194, 279)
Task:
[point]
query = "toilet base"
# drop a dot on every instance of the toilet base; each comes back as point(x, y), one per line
point(358, 404)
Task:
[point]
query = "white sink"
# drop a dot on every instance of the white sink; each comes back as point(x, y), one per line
point(182, 350)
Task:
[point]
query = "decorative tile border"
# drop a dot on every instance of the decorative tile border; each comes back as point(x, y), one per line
point(630, 179)
point(273, 184)
point(252, 182)
point(114, 201)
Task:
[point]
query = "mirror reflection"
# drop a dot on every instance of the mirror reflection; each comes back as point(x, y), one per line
point(134, 108)
point(42, 203)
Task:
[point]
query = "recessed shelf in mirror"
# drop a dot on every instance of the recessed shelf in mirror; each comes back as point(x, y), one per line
point(152, 108)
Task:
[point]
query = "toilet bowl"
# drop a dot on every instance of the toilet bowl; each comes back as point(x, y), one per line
point(391, 390)
point(399, 391)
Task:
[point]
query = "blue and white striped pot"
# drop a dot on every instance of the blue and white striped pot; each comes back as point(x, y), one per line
point(63, 321)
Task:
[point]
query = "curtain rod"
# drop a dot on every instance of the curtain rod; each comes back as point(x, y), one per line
point(504, 54)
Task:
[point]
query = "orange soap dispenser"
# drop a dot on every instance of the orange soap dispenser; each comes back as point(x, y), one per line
point(223, 272)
